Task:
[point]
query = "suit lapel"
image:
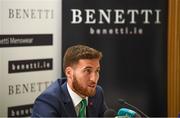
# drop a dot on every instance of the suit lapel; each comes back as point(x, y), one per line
point(68, 104)
point(91, 111)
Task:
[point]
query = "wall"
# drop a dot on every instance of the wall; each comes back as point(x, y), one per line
point(174, 58)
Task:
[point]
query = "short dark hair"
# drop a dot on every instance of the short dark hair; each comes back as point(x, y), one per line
point(74, 53)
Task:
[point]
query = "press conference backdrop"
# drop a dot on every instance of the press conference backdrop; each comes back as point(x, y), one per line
point(30, 40)
point(132, 36)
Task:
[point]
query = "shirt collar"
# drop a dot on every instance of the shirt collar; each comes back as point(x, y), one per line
point(74, 96)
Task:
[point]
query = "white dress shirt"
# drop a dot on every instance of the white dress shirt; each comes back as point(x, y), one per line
point(76, 99)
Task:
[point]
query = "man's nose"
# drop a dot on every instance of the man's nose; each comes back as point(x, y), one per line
point(94, 77)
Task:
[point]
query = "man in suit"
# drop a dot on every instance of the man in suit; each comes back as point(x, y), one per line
point(76, 95)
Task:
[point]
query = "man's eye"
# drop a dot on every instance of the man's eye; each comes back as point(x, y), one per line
point(88, 71)
point(97, 71)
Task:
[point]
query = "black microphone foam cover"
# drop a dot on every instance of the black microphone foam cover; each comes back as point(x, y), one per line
point(109, 113)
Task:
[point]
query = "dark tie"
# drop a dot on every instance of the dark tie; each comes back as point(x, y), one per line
point(82, 110)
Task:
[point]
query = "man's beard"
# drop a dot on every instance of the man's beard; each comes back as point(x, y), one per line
point(80, 89)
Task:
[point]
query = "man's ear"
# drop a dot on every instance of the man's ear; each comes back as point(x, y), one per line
point(69, 72)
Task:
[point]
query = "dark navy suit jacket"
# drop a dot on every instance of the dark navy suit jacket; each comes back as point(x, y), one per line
point(55, 101)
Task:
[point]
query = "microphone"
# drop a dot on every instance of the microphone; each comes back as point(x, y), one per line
point(135, 108)
point(126, 113)
point(109, 113)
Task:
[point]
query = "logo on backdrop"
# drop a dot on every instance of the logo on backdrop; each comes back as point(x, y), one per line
point(20, 111)
point(18, 66)
point(28, 13)
point(115, 21)
point(18, 40)
point(33, 87)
